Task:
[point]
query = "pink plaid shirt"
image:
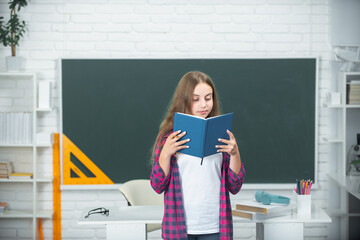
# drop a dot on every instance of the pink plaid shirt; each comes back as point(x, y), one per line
point(174, 222)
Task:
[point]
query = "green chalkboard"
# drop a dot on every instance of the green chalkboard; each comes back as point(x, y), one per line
point(112, 108)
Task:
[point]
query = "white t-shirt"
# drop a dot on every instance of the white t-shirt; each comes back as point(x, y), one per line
point(201, 192)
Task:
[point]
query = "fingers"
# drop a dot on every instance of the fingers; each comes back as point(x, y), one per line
point(177, 135)
point(182, 142)
point(222, 146)
point(232, 139)
point(229, 146)
point(172, 135)
point(225, 149)
point(230, 134)
point(224, 141)
point(181, 147)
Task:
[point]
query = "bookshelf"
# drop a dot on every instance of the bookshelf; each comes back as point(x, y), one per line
point(22, 89)
point(344, 125)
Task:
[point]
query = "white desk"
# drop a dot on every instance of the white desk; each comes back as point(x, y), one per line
point(125, 222)
point(130, 223)
point(285, 227)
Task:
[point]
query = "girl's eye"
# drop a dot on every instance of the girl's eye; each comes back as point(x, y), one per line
point(195, 99)
point(208, 99)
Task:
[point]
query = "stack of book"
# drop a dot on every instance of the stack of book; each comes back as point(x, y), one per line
point(256, 210)
point(16, 127)
point(20, 175)
point(353, 92)
point(5, 169)
point(3, 207)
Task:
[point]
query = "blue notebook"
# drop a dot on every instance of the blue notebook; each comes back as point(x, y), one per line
point(203, 133)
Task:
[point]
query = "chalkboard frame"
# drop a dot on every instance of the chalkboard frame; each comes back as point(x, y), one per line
point(246, 185)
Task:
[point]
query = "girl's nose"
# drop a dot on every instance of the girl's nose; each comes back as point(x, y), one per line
point(203, 103)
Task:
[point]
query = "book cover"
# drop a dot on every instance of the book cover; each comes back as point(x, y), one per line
point(3, 207)
point(256, 207)
point(203, 133)
point(5, 169)
point(19, 175)
point(254, 216)
point(243, 214)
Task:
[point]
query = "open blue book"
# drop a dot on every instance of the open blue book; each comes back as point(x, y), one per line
point(203, 133)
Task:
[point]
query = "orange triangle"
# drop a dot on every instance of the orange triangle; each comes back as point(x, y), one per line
point(68, 148)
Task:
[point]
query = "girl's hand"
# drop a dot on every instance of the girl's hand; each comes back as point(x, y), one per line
point(230, 147)
point(172, 145)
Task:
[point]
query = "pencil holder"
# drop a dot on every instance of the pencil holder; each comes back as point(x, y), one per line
point(304, 206)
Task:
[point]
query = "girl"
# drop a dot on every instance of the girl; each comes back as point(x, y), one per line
point(197, 201)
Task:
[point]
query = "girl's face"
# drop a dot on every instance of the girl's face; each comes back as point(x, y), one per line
point(202, 101)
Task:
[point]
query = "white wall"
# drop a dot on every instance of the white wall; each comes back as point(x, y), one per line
point(344, 20)
point(166, 29)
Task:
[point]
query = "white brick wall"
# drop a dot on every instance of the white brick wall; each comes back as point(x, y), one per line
point(167, 29)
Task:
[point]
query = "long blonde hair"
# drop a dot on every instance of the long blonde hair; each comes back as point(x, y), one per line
point(182, 100)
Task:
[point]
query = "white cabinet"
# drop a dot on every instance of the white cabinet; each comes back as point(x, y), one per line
point(19, 95)
point(344, 126)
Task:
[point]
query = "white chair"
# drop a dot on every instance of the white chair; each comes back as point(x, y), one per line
point(139, 193)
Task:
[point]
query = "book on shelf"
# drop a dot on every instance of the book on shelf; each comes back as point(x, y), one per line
point(203, 133)
point(16, 127)
point(5, 169)
point(353, 92)
point(257, 207)
point(255, 215)
point(354, 101)
point(20, 175)
point(4, 163)
point(3, 207)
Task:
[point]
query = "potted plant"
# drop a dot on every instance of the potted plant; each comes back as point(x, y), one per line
point(11, 32)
